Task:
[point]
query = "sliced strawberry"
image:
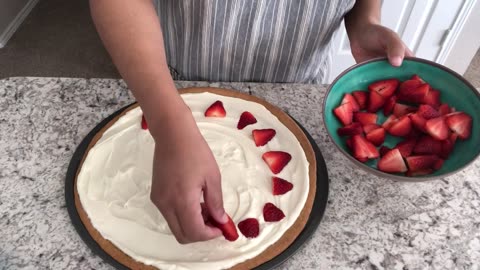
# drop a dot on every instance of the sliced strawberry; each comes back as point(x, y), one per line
point(414, 134)
point(453, 137)
point(377, 136)
point(349, 143)
point(350, 130)
point(418, 122)
point(365, 118)
point(432, 98)
point(427, 112)
point(249, 227)
point(383, 150)
point(228, 229)
point(363, 149)
point(461, 124)
point(263, 136)
point(427, 145)
point(438, 164)
point(437, 128)
point(389, 122)
point(402, 127)
point(417, 163)
point(361, 98)
point(392, 162)
point(271, 213)
point(280, 186)
point(216, 110)
point(344, 113)
point(246, 118)
point(370, 127)
point(276, 160)
point(417, 78)
point(402, 109)
point(386, 88)
point(348, 98)
point(389, 105)
point(406, 147)
point(447, 148)
point(375, 102)
point(414, 91)
point(144, 123)
point(411, 173)
point(444, 109)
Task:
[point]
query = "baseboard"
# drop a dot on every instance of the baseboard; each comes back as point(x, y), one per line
point(13, 26)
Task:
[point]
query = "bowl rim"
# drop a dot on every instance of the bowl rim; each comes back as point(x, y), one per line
point(378, 172)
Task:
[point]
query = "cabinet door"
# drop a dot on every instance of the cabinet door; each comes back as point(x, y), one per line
point(422, 24)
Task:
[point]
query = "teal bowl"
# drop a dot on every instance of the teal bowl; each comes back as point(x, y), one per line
point(454, 89)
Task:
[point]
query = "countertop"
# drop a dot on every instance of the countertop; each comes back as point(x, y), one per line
point(370, 222)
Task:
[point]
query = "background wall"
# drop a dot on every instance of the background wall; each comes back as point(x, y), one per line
point(12, 13)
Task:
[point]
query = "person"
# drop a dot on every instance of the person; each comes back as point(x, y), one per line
point(221, 40)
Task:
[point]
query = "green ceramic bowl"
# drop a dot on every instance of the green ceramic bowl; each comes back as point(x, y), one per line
point(455, 91)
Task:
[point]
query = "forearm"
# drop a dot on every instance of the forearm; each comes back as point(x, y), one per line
point(130, 30)
point(363, 12)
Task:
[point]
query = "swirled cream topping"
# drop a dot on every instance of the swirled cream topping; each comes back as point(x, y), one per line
point(115, 179)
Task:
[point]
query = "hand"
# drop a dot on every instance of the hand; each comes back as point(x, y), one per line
point(373, 40)
point(183, 169)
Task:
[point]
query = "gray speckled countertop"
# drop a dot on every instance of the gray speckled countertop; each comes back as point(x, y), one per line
point(370, 223)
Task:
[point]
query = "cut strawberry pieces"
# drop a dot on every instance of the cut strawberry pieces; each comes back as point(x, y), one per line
point(361, 97)
point(246, 118)
point(249, 227)
point(418, 122)
point(461, 124)
point(437, 128)
point(427, 145)
point(229, 230)
point(375, 102)
point(144, 123)
point(369, 127)
point(383, 150)
point(392, 162)
point(389, 122)
point(416, 77)
point(263, 136)
point(386, 88)
point(427, 112)
point(401, 127)
point(344, 113)
point(400, 110)
point(276, 160)
point(406, 147)
point(280, 186)
point(216, 110)
point(432, 98)
point(444, 109)
point(413, 91)
point(363, 149)
point(271, 213)
point(350, 130)
point(376, 136)
point(427, 171)
point(365, 118)
point(389, 105)
point(418, 163)
point(348, 98)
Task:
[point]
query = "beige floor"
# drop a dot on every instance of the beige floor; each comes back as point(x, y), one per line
point(473, 72)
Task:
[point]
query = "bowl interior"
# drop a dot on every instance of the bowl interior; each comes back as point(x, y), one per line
point(453, 91)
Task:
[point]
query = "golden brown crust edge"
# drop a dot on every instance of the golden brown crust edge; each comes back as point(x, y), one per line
point(271, 252)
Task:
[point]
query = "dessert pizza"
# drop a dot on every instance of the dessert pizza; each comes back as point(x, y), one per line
point(268, 172)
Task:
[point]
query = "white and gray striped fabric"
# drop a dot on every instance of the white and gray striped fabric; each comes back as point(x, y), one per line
point(248, 40)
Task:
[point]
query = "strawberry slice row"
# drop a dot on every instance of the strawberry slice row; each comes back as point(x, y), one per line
point(414, 112)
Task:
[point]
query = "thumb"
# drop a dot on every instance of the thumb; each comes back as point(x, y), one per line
point(395, 50)
point(212, 195)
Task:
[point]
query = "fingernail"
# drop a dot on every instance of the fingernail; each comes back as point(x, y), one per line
point(224, 218)
point(396, 61)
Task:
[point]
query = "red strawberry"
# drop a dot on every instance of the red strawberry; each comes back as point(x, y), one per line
point(263, 136)
point(417, 163)
point(437, 128)
point(389, 122)
point(363, 149)
point(144, 123)
point(401, 109)
point(444, 109)
point(416, 77)
point(418, 122)
point(402, 127)
point(414, 133)
point(361, 98)
point(427, 112)
point(350, 130)
point(365, 118)
point(461, 124)
point(392, 162)
point(385, 88)
point(377, 136)
point(447, 148)
point(427, 145)
point(281, 186)
point(438, 164)
point(413, 91)
point(453, 137)
point(344, 113)
point(410, 173)
point(249, 227)
point(271, 213)
point(406, 147)
point(383, 150)
point(348, 98)
point(276, 160)
point(375, 102)
point(432, 98)
point(246, 119)
point(349, 143)
point(389, 105)
point(228, 229)
point(216, 110)
point(370, 127)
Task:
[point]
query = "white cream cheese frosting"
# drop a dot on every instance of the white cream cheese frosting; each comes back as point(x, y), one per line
point(115, 179)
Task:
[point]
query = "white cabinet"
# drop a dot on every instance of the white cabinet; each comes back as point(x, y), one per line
point(430, 28)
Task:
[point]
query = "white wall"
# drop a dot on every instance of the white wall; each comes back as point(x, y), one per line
point(12, 13)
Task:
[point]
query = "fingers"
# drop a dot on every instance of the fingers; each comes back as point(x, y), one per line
point(212, 194)
point(396, 50)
